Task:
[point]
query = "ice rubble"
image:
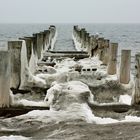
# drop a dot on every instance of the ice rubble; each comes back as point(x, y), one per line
point(68, 102)
point(67, 96)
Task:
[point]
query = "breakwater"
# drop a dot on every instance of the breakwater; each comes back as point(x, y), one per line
point(20, 59)
point(26, 54)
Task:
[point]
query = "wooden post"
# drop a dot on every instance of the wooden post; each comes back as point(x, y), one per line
point(39, 45)
point(35, 44)
point(112, 64)
point(82, 37)
point(87, 41)
point(42, 40)
point(106, 52)
point(94, 48)
point(125, 66)
point(52, 29)
point(46, 39)
point(15, 60)
point(136, 93)
point(100, 48)
point(28, 41)
point(4, 79)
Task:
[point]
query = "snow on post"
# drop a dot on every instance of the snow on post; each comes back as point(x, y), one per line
point(15, 61)
point(31, 58)
point(112, 64)
point(125, 66)
point(4, 79)
point(136, 93)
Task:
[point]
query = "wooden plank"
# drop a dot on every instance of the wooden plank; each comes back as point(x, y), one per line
point(20, 110)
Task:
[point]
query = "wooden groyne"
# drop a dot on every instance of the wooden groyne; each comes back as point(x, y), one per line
point(26, 54)
point(107, 51)
point(22, 55)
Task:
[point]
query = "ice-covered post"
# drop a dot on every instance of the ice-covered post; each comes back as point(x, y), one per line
point(39, 45)
point(125, 66)
point(28, 41)
point(112, 64)
point(46, 38)
point(106, 52)
point(100, 48)
point(87, 41)
point(83, 38)
point(35, 44)
point(136, 94)
point(90, 45)
point(52, 29)
point(4, 79)
point(75, 29)
point(15, 61)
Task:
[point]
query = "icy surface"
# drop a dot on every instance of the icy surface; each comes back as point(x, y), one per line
point(125, 99)
point(12, 137)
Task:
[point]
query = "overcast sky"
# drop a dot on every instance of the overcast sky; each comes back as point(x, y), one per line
point(69, 11)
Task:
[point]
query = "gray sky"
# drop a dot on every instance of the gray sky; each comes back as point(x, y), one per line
point(69, 11)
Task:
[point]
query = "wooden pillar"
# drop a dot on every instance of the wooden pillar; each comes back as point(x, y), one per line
point(46, 39)
point(100, 48)
point(28, 41)
point(52, 29)
point(136, 94)
point(106, 52)
point(125, 66)
point(35, 44)
point(4, 79)
point(15, 61)
point(94, 49)
point(75, 28)
point(39, 45)
point(87, 41)
point(90, 46)
point(83, 39)
point(112, 64)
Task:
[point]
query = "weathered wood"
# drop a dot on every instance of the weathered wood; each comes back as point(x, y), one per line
point(15, 60)
point(39, 45)
point(28, 42)
point(76, 55)
point(101, 48)
point(136, 94)
point(106, 52)
point(111, 107)
point(112, 64)
point(125, 66)
point(46, 38)
point(118, 108)
point(20, 110)
point(4, 79)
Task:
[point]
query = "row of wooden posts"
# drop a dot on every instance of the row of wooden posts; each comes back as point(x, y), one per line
point(108, 54)
point(22, 54)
